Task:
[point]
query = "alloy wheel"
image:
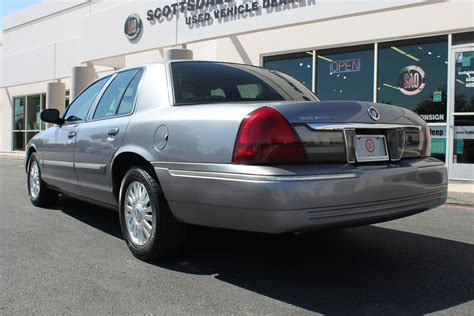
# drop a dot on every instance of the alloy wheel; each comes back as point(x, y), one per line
point(138, 213)
point(34, 180)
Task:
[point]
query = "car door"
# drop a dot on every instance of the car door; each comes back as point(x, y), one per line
point(58, 155)
point(100, 137)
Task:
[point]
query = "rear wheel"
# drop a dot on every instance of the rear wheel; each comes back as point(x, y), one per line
point(148, 226)
point(40, 194)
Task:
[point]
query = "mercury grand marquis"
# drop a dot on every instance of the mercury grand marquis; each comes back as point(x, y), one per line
point(230, 146)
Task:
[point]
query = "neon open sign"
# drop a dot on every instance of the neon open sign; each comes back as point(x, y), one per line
point(344, 65)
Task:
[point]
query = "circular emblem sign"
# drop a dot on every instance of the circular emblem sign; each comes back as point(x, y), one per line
point(370, 145)
point(132, 27)
point(411, 80)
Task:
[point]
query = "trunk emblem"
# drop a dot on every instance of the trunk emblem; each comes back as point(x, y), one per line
point(374, 113)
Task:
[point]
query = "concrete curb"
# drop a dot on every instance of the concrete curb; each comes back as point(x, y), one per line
point(460, 198)
point(12, 156)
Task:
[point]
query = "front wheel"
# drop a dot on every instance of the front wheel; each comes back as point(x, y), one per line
point(40, 194)
point(148, 226)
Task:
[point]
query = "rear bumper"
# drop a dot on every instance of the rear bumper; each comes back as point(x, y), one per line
point(299, 198)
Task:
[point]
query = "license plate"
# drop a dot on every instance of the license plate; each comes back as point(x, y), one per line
point(371, 148)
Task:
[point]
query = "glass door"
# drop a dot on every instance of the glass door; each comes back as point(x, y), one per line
point(462, 121)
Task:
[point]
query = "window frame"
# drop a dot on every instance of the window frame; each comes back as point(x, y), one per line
point(90, 115)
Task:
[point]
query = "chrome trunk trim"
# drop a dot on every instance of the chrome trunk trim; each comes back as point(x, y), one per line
point(349, 128)
point(342, 126)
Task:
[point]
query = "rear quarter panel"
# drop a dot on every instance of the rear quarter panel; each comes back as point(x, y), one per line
point(196, 133)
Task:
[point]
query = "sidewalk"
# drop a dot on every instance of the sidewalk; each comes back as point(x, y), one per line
point(459, 192)
point(17, 155)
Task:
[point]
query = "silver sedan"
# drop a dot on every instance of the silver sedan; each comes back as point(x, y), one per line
point(231, 146)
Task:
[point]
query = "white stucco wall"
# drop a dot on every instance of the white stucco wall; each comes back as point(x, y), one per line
point(44, 49)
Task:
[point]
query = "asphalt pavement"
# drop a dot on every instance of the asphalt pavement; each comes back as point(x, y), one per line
point(71, 259)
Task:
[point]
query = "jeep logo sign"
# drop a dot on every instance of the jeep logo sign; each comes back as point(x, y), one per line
point(132, 27)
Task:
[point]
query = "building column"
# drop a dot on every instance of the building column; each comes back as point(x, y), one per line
point(178, 53)
point(55, 96)
point(82, 76)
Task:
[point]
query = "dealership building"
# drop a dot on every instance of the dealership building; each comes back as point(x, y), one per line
point(414, 54)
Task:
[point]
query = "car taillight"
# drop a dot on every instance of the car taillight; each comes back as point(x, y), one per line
point(266, 137)
point(426, 148)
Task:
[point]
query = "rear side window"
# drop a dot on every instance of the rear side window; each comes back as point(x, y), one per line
point(119, 95)
point(126, 105)
point(79, 108)
point(209, 82)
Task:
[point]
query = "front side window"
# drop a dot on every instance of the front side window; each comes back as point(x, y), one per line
point(114, 95)
point(79, 108)
point(207, 82)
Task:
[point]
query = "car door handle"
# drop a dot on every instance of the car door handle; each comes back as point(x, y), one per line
point(112, 131)
point(71, 134)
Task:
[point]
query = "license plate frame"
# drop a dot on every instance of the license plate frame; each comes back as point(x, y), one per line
point(371, 148)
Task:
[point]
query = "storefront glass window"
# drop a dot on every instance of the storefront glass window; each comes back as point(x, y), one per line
point(299, 66)
point(413, 74)
point(438, 142)
point(18, 141)
point(19, 114)
point(33, 121)
point(26, 118)
point(345, 74)
point(464, 82)
point(463, 38)
point(463, 151)
point(464, 140)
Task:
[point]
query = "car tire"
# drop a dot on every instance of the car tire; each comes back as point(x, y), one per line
point(40, 195)
point(148, 226)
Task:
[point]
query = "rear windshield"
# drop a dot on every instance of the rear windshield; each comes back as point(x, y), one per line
point(208, 82)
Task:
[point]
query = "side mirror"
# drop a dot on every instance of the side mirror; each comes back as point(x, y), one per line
point(51, 116)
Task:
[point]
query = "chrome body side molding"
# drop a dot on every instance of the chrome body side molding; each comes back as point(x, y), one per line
point(256, 178)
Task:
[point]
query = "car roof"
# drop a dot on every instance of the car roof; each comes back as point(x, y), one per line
point(167, 62)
